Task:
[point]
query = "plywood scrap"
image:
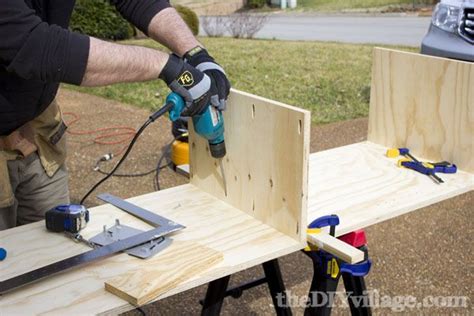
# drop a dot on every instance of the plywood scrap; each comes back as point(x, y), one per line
point(336, 247)
point(182, 262)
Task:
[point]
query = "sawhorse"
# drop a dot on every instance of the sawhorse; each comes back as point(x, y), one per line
point(327, 272)
point(217, 291)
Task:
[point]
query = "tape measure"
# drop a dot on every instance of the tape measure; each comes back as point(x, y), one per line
point(71, 218)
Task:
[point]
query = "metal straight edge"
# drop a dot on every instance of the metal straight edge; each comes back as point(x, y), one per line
point(137, 211)
point(86, 257)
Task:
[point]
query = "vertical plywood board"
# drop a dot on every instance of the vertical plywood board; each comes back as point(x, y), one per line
point(266, 165)
point(423, 103)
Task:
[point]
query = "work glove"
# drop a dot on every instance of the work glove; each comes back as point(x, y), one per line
point(190, 83)
point(199, 57)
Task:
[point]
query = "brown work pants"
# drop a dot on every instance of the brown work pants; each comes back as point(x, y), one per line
point(34, 191)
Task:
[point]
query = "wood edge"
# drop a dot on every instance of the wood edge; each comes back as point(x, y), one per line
point(119, 293)
point(287, 106)
point(336, 247)
point(305, 185)
point(397, 51)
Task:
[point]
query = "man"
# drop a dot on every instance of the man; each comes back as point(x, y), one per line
point(37, 52)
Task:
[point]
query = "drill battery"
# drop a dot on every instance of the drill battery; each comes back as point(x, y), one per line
point(71, 218)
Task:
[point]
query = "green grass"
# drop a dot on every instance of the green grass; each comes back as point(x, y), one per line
point(336, 5)
point(330, 79)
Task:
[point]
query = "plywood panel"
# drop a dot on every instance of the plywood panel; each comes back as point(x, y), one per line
point(363, 187)
point(242, 240)
point(266, 164)
point(425, 104)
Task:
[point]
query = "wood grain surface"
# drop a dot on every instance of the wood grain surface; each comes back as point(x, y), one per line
point(242, 241)
point(266, 164)
point(153, 277)
point(364, 187)
point(423, 103)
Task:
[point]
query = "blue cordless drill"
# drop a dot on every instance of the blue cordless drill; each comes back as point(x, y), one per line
point(209, 124)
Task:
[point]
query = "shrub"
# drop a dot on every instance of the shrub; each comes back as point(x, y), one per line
point(244, 24)
point(255, 4)
point(100, 19)
point(190, 17)
point(214, 26)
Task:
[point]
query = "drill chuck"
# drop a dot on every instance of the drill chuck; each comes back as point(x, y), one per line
point(217, 150)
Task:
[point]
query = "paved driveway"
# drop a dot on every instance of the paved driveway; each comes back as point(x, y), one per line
point(392, 30)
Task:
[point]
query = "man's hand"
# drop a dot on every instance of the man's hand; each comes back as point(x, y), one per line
point(190, 83)
point(198, 57)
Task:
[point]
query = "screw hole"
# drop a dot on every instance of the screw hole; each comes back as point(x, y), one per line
point(250, 177)
point(300, 124)
point(235, 178)
point(253, 111)
point(271, 183)
point(253, 205)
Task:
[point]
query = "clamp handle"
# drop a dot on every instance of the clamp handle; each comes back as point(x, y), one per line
point(358, 269)
point(324, 221)
point(395, 152)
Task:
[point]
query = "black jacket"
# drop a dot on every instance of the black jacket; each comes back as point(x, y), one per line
point(37, 52)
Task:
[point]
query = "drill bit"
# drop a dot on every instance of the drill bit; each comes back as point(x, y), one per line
point(223, 176)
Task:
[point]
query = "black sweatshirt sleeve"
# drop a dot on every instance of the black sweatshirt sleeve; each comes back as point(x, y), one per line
point(33, 49)
point(140, 12)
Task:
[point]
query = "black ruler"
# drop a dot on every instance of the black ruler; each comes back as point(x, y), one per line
point(87, 257)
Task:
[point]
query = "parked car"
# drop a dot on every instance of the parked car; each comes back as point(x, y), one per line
point(451, 33)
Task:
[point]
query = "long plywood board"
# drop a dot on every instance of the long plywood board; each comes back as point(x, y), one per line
point(357, 182)
point(423, 103)
point(266, 164)
point(363, 187)
point(215, 226)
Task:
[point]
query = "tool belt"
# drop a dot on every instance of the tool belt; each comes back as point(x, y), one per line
point(43, 135)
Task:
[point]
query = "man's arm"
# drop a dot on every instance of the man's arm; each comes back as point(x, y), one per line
point(160, 21)
point(168, 28)
point(111, 63)
point(138, 63)
point(33, 49)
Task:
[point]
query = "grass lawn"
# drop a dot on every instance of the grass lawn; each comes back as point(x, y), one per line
point(330, 79)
